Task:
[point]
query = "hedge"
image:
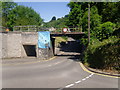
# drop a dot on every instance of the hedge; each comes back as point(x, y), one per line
point(103, 55)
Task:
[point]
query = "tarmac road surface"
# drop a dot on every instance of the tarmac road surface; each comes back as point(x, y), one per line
point(64, 71)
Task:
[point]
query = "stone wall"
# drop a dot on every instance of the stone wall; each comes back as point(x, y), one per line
point(45, 53)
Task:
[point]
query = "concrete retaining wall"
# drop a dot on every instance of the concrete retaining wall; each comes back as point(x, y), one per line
point(11, 45)
point(29, 38)
point(14, 45)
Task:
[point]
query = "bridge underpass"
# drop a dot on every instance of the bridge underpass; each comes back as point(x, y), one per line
point(61, 72)
point(22, 42)
point(75, 33)
point(70, 48)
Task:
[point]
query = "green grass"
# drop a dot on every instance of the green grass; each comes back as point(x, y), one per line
point(58, 40)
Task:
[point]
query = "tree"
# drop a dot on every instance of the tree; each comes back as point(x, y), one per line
point(53, 18)
point(109, 10)
point(6, 8)
point(75, 14)
point(22, 15)
point(105, 30)
point(0, 13)
point(59, 23)
point(95, 20)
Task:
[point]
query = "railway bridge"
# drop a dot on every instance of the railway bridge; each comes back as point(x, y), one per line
point(24, 43)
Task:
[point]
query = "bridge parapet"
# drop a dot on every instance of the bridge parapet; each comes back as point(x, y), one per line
point(34, 28)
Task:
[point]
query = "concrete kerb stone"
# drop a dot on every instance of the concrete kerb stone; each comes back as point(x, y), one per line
point(100, 72)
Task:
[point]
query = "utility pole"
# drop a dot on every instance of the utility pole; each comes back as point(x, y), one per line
point(88, 23)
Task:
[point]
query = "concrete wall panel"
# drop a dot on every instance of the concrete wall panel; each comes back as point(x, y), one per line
point(4, 46)
point(29, 38)
point(14, 45)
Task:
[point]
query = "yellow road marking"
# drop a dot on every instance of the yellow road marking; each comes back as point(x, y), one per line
point(83, 67)
point(33, 61)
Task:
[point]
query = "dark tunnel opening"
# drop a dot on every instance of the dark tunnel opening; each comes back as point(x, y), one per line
point(30, 50)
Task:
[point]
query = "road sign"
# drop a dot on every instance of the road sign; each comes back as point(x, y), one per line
point(65, 30)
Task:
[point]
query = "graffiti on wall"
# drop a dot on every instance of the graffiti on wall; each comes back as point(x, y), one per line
point(44, 39)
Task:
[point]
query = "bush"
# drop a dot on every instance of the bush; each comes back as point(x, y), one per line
point(105, 30)
point(103, 55)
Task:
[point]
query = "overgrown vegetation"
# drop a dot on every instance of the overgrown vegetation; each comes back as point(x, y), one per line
point(59, 40)
point(103, 55)
point(103, 50)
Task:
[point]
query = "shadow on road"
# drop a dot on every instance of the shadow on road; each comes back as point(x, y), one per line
point(71, 46)
point(71, 49)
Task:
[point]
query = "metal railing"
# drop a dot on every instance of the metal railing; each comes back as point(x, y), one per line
point(34, 28)
point(68, 30)
point(28, 28)
point(2, 28)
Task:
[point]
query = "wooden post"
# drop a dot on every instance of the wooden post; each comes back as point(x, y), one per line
point(88, 23)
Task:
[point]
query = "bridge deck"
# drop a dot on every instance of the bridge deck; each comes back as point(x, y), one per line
point(66, 34)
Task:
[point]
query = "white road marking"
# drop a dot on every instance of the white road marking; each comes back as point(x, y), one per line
point(57, 63)
point(69, 85)
point(78, 82)
point(87, 77)
point(83, 79)
point(91, 75)
point(49, 65)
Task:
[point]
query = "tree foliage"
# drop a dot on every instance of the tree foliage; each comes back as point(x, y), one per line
point(105, 30)
point(6, 8)
point(53, 18)
point(95, 20)
point(104, 17)
point(0, 13)
point(109, 11)
point(75, 15)
point(17, 15)
point(59, 23)
point(22, 15)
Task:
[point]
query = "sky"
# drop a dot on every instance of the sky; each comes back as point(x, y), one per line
point(48, 9)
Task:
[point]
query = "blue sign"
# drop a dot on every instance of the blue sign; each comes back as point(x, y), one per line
point(44, 39)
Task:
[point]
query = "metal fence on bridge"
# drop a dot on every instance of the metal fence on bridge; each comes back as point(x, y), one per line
point(34, 28)
point(2, 28)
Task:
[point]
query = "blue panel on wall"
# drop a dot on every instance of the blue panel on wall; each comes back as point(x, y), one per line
point(44, 39)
